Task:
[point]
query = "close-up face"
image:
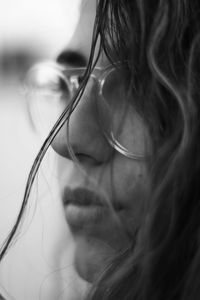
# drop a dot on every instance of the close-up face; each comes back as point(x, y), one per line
point(98, 138)
point(104, 193)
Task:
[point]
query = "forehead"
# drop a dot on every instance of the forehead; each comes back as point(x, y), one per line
point(78, 49)
point(82, 37)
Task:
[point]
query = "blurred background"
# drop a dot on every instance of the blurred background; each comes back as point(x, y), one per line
point(30, 31)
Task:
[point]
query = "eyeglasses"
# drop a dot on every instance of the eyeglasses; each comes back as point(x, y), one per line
point(51, 88)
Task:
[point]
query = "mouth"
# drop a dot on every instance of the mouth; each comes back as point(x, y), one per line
point(84, 208)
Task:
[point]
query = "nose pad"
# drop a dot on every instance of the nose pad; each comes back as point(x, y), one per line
point(85, 134)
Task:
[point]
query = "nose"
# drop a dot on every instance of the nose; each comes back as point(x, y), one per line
point(85, 135)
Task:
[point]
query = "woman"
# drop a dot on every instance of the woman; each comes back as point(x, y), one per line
point(130, 133)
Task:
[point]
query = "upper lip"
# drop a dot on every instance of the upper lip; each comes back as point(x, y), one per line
point(83, 197)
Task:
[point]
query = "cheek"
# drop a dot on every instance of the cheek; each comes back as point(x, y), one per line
point(132, 188)
point(134, 213)
point(129, 177)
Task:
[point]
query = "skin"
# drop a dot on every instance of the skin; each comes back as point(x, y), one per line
point(103, 170)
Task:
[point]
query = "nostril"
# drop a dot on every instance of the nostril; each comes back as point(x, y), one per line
point(84, 158)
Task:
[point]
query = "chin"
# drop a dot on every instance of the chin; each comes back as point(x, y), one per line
point(97, 230)
point(91, 257)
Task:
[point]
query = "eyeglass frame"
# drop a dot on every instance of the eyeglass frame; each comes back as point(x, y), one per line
point(72, 83)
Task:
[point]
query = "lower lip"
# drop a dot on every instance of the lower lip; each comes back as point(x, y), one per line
point(79, 216)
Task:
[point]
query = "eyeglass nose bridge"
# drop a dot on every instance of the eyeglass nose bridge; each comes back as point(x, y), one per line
point(98, 79)
point(100, 74)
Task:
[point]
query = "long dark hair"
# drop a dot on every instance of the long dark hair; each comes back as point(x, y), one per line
point(160, 41)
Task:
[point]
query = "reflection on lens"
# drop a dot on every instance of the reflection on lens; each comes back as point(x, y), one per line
point(113, 107)
point(48, 92)
point(118, 118)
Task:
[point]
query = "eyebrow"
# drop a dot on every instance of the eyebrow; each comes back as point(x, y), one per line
point(70, 57)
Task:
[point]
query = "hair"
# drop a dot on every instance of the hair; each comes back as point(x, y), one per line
point(160, 42)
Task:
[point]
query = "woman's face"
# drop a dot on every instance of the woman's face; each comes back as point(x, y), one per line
point(104, 195)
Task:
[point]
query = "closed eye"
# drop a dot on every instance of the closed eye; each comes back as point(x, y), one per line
point(71, 58)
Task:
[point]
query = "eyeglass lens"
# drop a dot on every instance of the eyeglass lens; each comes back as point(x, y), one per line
point(51, 91)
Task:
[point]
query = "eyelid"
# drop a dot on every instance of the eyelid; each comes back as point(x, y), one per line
point(76, 74)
